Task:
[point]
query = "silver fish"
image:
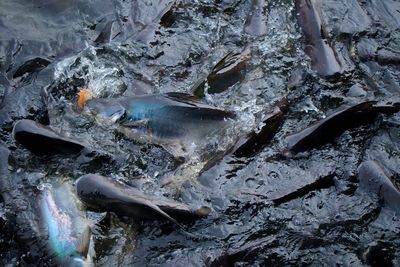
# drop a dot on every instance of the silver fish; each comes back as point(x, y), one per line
point(166, 119)
point(68, 231)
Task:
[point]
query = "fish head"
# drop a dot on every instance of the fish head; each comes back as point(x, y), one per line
point(106, 108)
point(94, 191)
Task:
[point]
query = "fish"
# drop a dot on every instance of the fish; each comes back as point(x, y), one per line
point(4, 173)
point(166, 119)
point(382, 56)
point(48, 223)
point(247, 146)
point(41, 140)
point(323, 56)
point(240, 252)
point(68, 230)
point(254, 142)
point(168, 16)
point(149, 25)
point(20, 212)
point(230, 70)
point(106, 34)
point(318, 183)
point(373, 178)
point(31, 66)
point(103, 194)
point(328, 129)
point(4, 154)
point(256, 21)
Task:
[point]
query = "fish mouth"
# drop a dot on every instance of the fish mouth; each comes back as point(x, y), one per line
point(105, 109)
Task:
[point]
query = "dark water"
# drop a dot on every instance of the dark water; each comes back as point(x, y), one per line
point(51, 49)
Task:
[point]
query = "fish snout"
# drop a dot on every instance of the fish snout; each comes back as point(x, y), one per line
point(101, 108)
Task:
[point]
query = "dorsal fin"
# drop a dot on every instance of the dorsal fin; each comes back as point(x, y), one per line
point(184, 98)
point(362, 106)
point(223, 63)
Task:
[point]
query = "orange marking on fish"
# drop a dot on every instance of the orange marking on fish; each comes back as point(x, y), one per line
point(84, 95)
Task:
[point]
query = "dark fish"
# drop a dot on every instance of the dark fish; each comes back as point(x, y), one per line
point(254, 142)
point(241, 253)
point(164, 119)
point(318, 184)
point(168, 15)
point(4, 186)
point(101, 193)
point(323, 57)
point(382, 56)
point(4, 154)
point(27, 101)
point(334, 125)
point(247, 146)
point(148, 32)
point(16, 210)
point(380, 253)
point(228, 71)
point(42, 140)
point(373, 178)
point(256, 21)
point(4, 89)
point(31, 66)
point(105, 35)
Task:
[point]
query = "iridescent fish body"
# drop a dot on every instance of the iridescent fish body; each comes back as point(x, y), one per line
point(67, 229)
point(163, 119)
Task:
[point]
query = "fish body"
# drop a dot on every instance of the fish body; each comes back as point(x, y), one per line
point(31, 66)
point(373, 178)
point(103, 194)
point(256, 21)
point(42, 140)
point(254, 142)
point(335, 124)
point(68, 231)
point(323, 56)
point(163, 119)
point(230, 70)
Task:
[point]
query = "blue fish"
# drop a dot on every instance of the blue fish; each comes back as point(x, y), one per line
point(68, 231)
point(165, 119)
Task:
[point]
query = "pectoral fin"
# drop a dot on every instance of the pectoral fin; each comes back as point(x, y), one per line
point(135, 124)
point(84, 242)
point(163, 213)
point(176, 149)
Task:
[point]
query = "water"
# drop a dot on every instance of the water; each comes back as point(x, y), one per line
point(333, 224)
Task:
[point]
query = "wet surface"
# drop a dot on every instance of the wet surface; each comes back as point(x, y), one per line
point(334, 203)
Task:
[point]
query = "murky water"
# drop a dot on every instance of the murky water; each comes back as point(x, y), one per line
point(268, 209)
